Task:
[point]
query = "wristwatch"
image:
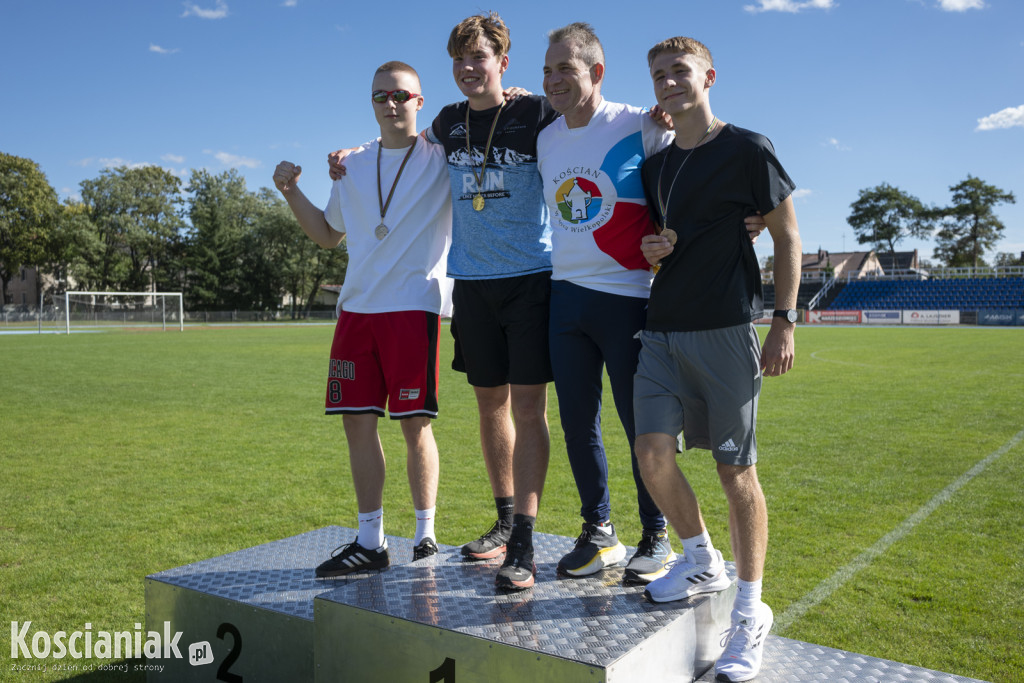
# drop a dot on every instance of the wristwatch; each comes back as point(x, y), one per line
point(790, 314)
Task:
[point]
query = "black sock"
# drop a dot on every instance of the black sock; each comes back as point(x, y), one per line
point(506, 507)
point(523, 524)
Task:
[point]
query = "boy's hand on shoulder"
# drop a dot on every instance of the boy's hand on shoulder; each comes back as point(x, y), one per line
point(515, 92)
point(286, 176)
point(661, 118)
point(336, 162)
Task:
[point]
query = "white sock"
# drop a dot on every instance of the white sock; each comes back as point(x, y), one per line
point(699, 550)
point(748, 596)
point(605, 527)
point(424, 525)
point(371, 529)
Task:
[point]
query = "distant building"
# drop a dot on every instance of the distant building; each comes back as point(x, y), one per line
point(901, 261)
point(824, 265)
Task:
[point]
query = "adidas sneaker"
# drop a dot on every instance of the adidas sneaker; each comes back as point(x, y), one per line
point(744, 646)
point(353, 558)
point(685, 579)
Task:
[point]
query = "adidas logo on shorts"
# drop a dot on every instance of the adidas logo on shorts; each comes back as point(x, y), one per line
point(729, 446)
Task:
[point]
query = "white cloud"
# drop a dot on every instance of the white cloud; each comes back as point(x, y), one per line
point(801, 193)
point(117, 162)
point(161, 50)
point(220, 12)
point(960, 5)
point(173, 158)
point(1007, 118)
point(794, 6)
point(835, 144)
point(234, 160)
point(290, 3)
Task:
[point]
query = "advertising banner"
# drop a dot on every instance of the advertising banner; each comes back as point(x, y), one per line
point(931, 317)
point(853, 317)
point(997, 317)
point(881, 317)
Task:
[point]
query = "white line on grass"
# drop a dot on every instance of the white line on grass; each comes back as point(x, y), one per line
point(830, 585)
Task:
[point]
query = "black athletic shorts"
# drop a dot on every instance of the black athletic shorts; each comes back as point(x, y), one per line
point(500, 328)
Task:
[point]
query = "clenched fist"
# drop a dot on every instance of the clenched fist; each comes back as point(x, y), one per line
point(286, 176)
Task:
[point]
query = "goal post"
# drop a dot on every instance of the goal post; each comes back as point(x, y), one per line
point(158, 303)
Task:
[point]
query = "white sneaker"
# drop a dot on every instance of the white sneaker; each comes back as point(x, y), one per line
point(685, 579)
point(744, 645)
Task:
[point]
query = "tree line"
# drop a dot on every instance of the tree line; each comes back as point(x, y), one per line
point(145, 229)
point(885, 215)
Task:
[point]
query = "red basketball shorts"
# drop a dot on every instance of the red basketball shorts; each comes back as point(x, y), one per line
point(384, 359)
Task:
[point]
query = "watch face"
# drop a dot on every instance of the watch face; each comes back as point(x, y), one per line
point(791, 315)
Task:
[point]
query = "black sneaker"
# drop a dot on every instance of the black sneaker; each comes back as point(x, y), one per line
point(490, 544)
point(595, 549)
point(426, 548)
point(353, 558)
point(518, 571)
point(651, 559)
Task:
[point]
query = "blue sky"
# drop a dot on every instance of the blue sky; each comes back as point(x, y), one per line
point(853, 93)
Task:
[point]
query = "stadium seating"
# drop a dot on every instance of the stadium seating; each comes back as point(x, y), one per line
point(962, 294)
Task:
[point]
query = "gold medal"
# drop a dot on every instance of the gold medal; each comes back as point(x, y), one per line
point(478, 199)
point(381, 231)
point(670, 235)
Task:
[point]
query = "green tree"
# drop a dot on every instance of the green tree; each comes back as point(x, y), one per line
point(28, 216)
point(1007, 259)
point(289, 262)
point(883, 216)
point(135, 215)
point(969, 226)
point(223, 214)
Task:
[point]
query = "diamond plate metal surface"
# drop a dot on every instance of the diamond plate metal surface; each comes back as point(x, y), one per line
point(793, 661)
point(594, 620)
point(279, 575)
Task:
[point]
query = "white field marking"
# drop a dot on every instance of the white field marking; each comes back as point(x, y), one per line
point(840, 362)
point(830, 585)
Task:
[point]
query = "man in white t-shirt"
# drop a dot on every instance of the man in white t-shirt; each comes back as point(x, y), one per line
point(589, 162)
point(394, 209)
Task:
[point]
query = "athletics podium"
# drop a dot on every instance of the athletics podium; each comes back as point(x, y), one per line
point(260, 615)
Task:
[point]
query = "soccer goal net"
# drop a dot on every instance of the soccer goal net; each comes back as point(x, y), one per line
point(123, 309)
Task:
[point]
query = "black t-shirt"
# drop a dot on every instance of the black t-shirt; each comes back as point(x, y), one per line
point(712, 279)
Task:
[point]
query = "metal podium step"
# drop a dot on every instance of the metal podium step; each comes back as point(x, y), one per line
point(259, 614)
point(793, 661)
point(450, 624)
point(253, 608)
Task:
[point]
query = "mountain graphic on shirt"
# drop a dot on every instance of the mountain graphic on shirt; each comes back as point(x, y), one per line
point(500, 156)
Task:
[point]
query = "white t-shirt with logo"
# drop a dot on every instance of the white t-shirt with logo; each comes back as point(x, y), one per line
point(595, 197)
point(404, 271)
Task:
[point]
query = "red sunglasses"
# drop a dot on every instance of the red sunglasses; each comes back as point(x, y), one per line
point(381, 96)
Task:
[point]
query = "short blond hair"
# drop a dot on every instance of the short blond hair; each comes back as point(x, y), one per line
point(488, 26)
point(687, 46)
point(395, 66)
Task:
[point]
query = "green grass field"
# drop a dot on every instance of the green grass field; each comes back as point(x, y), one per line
point(127, 453)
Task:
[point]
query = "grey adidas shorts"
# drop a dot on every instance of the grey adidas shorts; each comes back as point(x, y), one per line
point(705, 383)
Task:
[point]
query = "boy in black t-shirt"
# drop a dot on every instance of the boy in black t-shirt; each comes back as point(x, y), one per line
point(701, 364)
